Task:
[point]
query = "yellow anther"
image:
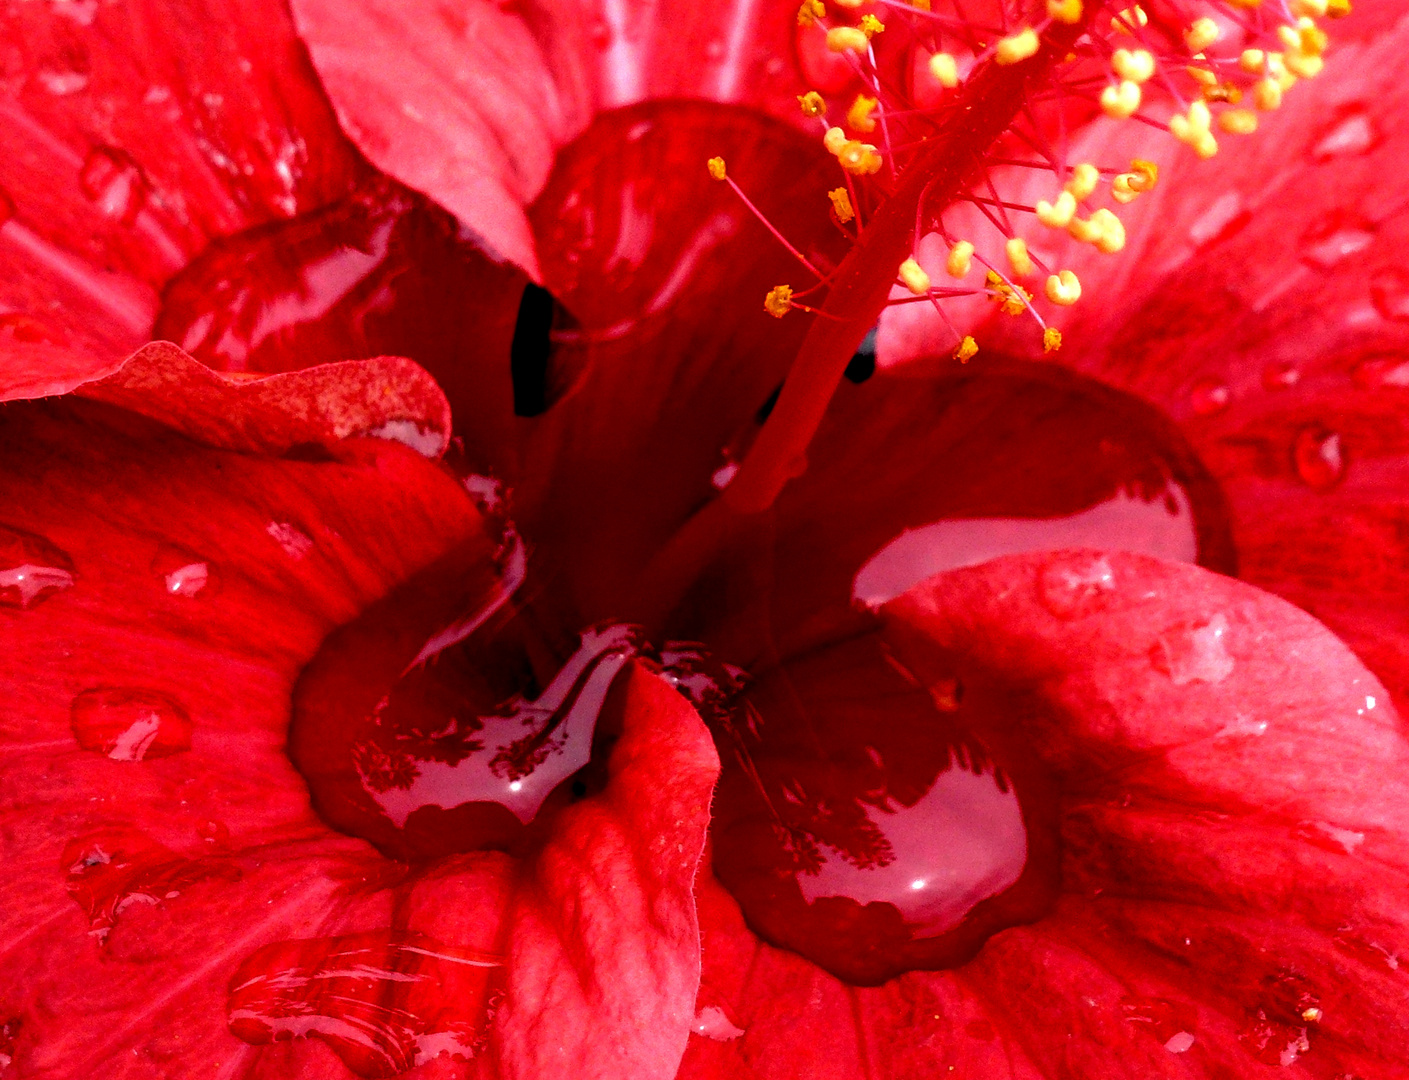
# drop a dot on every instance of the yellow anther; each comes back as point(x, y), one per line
point(1084, 179)
point(852, 4)
point(716, 168)
point(1186, 127)
point(945, 70)
point(1302, 65)
point(1011, 299)
point(913, 276)
point(1201, 34)
point(1248, 5)
point(812, 104)
point(841, 204)
point(847, 39)
point(871, 26)
point(966, 350)
point(1137, 65)
point(834, 140)
point(1337, 9)
point(1111, 237)
point(1277, 69)
point(1121, 100)
point(1251, 61)
point(858, 117)
point(1063, 288)
point(1202, 76)
point(1051, 339)
point(779, 301)
point(1131, 16)
point(1018, 258)
point(922, 5)
point(1057, 215)
point(858, 158)
point(810, 12)
point(1238, 121)
point(1064, 11)
point(1306, 38)
point(1018, 47)
point(1227, 93)
point(1310, 8)
point(1267, 94)
point(1312, 1014)
point(1084, 230)
point(961, 257)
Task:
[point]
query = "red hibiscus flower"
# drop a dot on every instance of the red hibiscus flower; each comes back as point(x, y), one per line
point(1043, 701)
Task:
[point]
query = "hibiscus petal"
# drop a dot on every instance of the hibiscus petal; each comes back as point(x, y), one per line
point(137, 132)
point(470, 105)
point(1235, 872)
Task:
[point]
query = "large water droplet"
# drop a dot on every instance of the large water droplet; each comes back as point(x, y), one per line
point(185, 574)
point(129, 725)
point(1377, 371)
point(31, 569)
point(1389, 292)
point(1333, 239)
point(713, 1023)
point(1318, 457)
point(1351, 133)
point(1208, 396)
point(1197, 653)
point(109, 870)
point(113, 182)
point(1074, 586)
point(385, 1001)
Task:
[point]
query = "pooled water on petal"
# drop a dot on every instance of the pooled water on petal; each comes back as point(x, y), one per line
point(713, 1023)
point(1077, 585)
point(1318, 457)
point(1349, 134)
point(129, 724)
point(114, 184)
point(1197, 653)
point(295, 542)
point(185, 574)
point(32, 569)
point(1208, 396)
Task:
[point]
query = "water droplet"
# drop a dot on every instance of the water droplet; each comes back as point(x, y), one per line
point(723, 476)
point(712, 1023)
point(62, 83)
point(1179, 1042)
point(1378, 371)
point(1329, 837)
point(295, 542)
point(1389, 292)
point(9, 1036)
point(774, 67)
point(1280, 376)
point(1074, 586)
point(31, 569)
point(1167, 1021)
point(385, 1001)
point(1318, 457)
point(1351, 133)
point(1223, 217)
point(82, 12)
point(185, 574)
point(113, 182)
point(1331, 240)
point(1208, 396)
point(129, 725)
point(111, 869)
point(1273, 1043)
point(214, 833)
point(1195, 653)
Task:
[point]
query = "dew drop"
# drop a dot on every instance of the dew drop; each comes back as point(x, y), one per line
point(1224, 217)
point(1272, 1042)
point(713, 1023)
point(1075, 586)
point(1280, 376)
point(1318, 457)
point(185, 574)
point(62, 83)
point(129, 725)
point(1167, 1021)
point(1179, 1042)
point(295, 542)
point(1352, 133)
point(1196, 653)
point(1389, 292)
point(214, 833)
point(31, 569)
point(1329, 242)
point(385, 1002)
point(113, 182)
point(1208, 396)
point(723, 476)
point(109, 870)
point(1377, 371)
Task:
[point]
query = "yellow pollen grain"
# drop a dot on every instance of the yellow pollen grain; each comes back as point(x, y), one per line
point(812, 104)
point(913, 276)
point(1018, 47)
point(966, 350)
point(810, 12)
point(1065, 11)
point(1051, 339)
point(960, 259)
point(847, 39)
point(1063, 288)
point(858, 158)
point(1302, 65)
point(871, 26)
point(716, 168)
point(779, 301)
point(1136, 65)
point(1018, 257)
point(858, 117)
point(1312, 8)
point(1267, 95)
point(1251, 61)
point(1337, 9)
point(1111, 235)
point(1057, 215)
point(945, 70)
point(1121, 100)
point(1238, 121)
point(841, 204)
point(1202, 76)
point(1084, 179)
point(850, 4)
point(1201, 34)
point(1131, 16)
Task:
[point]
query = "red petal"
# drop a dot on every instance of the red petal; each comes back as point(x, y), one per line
point(1234, 817)
point(469, 106)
